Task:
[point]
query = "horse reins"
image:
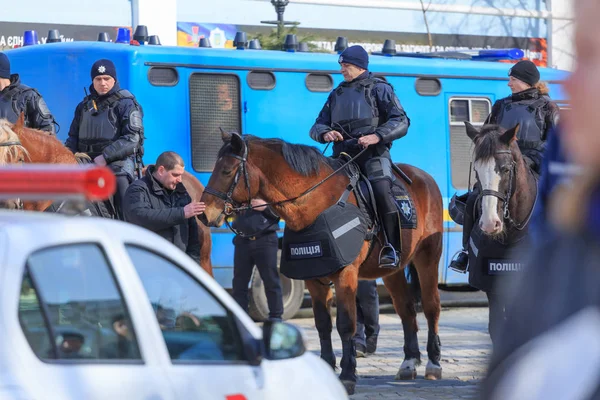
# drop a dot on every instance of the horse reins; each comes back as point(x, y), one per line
point(230, 204)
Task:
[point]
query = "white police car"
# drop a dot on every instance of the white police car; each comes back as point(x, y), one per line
point(98, 309)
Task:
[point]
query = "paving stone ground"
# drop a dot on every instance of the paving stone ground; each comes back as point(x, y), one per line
point(466, 347)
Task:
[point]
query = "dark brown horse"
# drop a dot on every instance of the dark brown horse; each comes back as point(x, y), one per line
point(509, 186)
point(278, 171)
point(21, 144)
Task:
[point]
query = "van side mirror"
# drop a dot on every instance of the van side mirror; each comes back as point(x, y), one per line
point(282, 341)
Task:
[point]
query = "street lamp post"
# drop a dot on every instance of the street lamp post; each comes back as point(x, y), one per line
point(280, 9)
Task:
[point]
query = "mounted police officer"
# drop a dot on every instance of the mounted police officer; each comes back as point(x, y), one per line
point(363, 111)
point(16, 98)
point(531, 108)
point(108, 127)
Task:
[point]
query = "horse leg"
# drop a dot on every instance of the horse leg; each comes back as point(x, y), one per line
point(205, 248)
point(426, 262)
point(322, 298)
point(346, 283)
point(404, 304)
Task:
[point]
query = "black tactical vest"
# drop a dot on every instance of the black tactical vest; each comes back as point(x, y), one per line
point(355, 109)
point(528, 113)
point(98, 126)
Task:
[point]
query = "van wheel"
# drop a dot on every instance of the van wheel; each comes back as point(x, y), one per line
point(292, 292)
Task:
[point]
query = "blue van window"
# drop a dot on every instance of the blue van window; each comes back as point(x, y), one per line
point(214, 104)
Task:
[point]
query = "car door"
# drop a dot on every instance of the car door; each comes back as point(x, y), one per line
point(207, 344)
point(78, 326)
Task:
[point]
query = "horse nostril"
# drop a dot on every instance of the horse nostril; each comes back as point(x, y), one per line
point(497, 224)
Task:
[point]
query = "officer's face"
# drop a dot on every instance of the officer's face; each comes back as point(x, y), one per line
point(583, 86)
point(517, 85)
point(170, 179)
point(224, 98)
point(350, 71)
point(103, 84)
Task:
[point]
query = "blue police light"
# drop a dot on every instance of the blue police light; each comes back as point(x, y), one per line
point(154, 40)
point(291, 43)
point(103, 37)
point(123, 36)
point(53, 36)
point(389, 47)
point(205, 42)
point(141, 34)
point(241, 40)
point(254, 44)
point(499, 54)
point(341, 44)
point(30, 38)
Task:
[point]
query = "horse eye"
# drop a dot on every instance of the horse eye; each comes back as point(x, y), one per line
point(226, 172)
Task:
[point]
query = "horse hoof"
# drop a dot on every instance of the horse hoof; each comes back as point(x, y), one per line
point(433, 372)
point(408, 370)
point(360, 354)
point(349, 386)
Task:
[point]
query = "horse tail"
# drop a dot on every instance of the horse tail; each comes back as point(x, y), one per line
point(414, 284)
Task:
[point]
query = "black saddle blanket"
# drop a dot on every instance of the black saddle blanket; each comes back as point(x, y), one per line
point(405, 204)
point(332, 242)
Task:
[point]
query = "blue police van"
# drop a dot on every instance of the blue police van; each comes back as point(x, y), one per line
point(188, 93)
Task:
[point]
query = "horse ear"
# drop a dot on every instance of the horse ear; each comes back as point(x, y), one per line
point(471, 131)
point(226, 136)
point(510, 135)
point(237, 143)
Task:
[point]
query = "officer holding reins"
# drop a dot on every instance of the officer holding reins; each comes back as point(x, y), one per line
point(363, 111)
point(16, 98)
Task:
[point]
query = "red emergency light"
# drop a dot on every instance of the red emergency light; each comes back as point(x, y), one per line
point(51, 181)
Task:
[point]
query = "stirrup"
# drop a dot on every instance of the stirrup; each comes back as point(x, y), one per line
point(393, 265)
point(454, 259)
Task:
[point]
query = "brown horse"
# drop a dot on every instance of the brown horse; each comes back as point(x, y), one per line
point(278, 171)
point(19, 143)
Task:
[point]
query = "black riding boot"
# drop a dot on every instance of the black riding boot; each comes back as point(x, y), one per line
point(389, 257)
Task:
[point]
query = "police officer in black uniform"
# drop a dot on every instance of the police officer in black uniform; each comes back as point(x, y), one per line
point(108, 127)
point(531, 108)
point(363, 111)
point(16, 98)
point(260, 249)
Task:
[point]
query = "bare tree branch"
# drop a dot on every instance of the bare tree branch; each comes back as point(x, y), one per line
point(426, 22)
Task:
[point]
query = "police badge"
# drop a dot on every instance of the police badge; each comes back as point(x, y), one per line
point(341, 59)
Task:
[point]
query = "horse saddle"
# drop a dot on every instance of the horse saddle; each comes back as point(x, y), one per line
point(366, 199)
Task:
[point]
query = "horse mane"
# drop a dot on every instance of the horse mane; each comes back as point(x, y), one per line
point(487, 143)
point(304, 159)
point(8, 153)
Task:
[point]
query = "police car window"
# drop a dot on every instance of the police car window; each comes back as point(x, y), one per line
point(195, 326)
point(70, 306)
point(472, 109)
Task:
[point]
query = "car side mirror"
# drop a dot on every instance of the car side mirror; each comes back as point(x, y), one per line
point(282, 341)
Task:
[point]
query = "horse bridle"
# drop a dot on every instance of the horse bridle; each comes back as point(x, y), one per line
point(505, 198)
point(231, 206)
point(18, 201)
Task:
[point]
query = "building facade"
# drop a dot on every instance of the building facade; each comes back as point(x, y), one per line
point(542, 28)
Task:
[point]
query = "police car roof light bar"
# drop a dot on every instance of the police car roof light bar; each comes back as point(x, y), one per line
point(477, 55)
point(54, 182)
